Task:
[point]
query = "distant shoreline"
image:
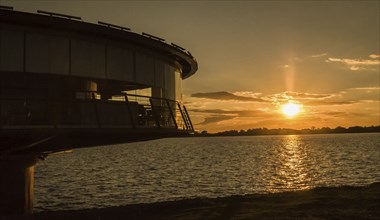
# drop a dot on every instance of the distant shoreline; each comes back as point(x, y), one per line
point(288, 131)
point(345, 202)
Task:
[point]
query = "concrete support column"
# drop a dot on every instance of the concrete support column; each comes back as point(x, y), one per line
point(17, 184)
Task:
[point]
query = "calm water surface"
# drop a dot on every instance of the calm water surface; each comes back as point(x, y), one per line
point(178, 168)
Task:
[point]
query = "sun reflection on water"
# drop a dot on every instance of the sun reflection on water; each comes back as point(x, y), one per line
point(291, 172)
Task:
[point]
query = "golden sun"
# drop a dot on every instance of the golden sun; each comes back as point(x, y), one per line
point(291, 109)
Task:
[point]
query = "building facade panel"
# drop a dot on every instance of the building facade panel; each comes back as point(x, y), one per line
point(159, 73)
point(97, 60)
point(59, 55)
point(11, 50)
point(36, 53)
point(169, 90)
point(144, 68)
point(80, 58)
point(120, 64)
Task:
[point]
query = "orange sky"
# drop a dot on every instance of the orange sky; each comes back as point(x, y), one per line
point(255, 56)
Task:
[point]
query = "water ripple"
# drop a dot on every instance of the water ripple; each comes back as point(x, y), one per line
point(178, 168)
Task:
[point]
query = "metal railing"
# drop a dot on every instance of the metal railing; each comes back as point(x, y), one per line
point(86, 109)
point(160, 112)
point(53, 14)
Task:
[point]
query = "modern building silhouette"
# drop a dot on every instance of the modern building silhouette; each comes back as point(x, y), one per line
point(65, 83)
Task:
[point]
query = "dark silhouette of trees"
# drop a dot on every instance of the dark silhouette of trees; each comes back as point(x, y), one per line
point(286, 131)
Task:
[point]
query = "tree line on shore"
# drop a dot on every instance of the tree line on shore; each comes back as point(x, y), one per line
point(285, 131)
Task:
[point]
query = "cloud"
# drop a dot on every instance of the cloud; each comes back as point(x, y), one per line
point(215, 119)
point(354, 68)
point(214, 111)
point(305, 95)
point(323, 102)
point(357, 64)
point(248, 94)
point(214, 116)
point(354, 61)
point(302, 97)
point(235, 113)
point(344, 97)
point(367, 89)
point(361, 94)
point(319, 55)
point(348, 96)
point(335, 113)
point(226, 96)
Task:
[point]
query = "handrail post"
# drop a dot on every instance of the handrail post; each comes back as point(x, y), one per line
point(154, 113)
point(171, 113)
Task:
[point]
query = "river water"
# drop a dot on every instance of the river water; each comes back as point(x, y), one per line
point(181, 168)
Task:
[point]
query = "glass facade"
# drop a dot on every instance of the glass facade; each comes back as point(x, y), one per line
point(86, 81)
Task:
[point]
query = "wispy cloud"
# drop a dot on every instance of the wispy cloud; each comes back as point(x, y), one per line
point(319, 55)
point(248, 94)
point(215, 116)
point(354, 61)
point(367, 89)
point(305, 95)
point(335, 113)
point(344, 97)
point(287, 96)
point(215, 119)
point(356, 64)
point(227, 96)
point(361, 94)
point(374, 56)
point(329, 103)
point(235, 113)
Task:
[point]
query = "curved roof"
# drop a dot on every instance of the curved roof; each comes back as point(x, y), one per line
point(75, 24)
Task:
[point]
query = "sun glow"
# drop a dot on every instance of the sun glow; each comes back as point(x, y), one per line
point(291, 109)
